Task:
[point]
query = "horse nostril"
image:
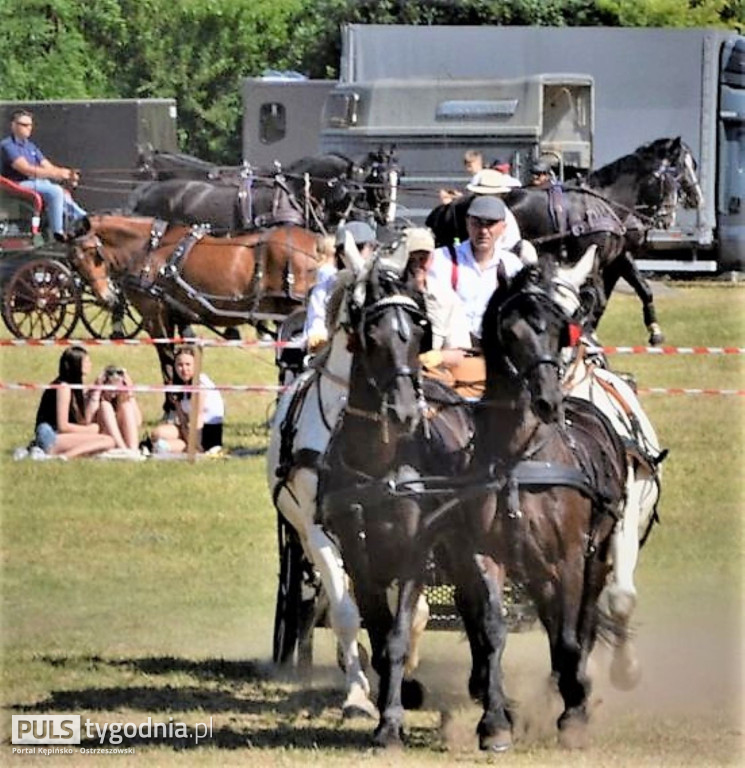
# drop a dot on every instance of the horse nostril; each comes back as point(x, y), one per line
point(544, 409)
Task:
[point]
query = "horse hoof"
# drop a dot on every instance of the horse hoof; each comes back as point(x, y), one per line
point(573, 729)
point(574, 736)
point(498, 742)
point(656, 336)
point(625, 671)
point(388, 735)
point(358, 704)
point(412, 694)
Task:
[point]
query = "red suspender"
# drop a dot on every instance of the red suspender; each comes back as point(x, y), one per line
point(454, 270)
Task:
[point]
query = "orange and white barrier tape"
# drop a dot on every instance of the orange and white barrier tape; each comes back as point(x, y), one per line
point(613, 350)
point(34, 386)
point(144, 388)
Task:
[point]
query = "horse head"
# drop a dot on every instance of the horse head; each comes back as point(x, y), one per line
point(386, 323)
point(100, 247)
point(528, 322)
point(672, 177)
point(382, 173)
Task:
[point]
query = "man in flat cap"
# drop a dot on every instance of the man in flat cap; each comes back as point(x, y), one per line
point(470, 268)
point(541, 174)
point(315, 331)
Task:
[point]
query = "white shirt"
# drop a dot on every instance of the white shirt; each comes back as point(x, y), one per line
point(447, 317)
point(511, 235)
point(212, 405)
point(315, 319)
point(475, 284)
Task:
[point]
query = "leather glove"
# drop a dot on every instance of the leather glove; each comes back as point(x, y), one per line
point(316, 338)
point(431, 359)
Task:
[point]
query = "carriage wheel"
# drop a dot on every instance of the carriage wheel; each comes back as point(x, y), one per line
point(123, 322)
point(41, 301)
point(287, 610)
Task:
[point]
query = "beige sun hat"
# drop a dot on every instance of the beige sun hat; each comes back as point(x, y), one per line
point(419, 239)
point(491, 182)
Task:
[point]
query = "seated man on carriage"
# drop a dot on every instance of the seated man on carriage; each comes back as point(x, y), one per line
point(23, 162)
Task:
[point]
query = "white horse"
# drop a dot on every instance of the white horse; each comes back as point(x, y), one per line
point(588, 378)
point(301, 428)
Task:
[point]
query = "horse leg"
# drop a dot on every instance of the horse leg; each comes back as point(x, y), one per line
point(158, 325)
point(390, 728)
point(478, 597)
point(625, 671)
point(345, 621)
point(568, 656)
point(412, 691)
point(299, 509)
point(631, 274)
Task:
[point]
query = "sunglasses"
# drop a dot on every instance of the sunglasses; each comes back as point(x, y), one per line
point(487, 223)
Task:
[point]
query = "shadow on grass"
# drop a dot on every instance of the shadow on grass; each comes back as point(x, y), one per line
point(286, 715)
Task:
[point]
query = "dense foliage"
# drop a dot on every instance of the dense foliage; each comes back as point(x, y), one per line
point(197, 51)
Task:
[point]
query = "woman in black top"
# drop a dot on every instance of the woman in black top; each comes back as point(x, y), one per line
point(65, 420)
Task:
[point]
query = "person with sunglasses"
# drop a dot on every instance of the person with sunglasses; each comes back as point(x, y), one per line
point(470, 268)
point(23, 162)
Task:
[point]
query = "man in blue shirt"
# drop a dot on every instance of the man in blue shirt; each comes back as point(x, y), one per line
point(23, 162)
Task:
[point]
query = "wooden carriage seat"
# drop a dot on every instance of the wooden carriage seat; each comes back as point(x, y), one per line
point(20, 210)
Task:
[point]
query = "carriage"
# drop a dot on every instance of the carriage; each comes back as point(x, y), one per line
point(42, 297)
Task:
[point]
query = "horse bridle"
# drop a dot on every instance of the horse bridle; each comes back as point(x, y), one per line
point(554, 310)
point(368, 314)
point(379, 184)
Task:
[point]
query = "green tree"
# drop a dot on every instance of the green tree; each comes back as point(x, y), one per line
point(669, 13)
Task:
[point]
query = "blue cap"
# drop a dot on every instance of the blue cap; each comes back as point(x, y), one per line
point(361, 233)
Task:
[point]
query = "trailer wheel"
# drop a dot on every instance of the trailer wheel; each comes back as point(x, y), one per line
point(41, 300)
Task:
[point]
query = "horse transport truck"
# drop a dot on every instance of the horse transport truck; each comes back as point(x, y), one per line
point(597, 94)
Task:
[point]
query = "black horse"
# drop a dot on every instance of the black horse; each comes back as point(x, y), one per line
point(397, 429)
point(317, 192)
point(554, 475)
point(613, 208)
point(155, 165)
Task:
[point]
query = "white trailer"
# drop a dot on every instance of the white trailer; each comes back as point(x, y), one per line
point(649, 84)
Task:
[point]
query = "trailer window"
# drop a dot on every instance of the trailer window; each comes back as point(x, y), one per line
point(341, 110)
point(272, 122)
point(475, 110)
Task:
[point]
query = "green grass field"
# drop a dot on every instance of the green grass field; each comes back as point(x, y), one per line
point(136, 590)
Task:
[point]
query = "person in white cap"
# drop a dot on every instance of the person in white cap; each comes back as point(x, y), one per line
point(493, 182)
point(470, 268)
point(450, 334)
point(315, 331)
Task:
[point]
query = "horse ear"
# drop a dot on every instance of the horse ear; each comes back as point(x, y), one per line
point(502, 279)
point(577, 274)
point(526, 252)
point(396, 260)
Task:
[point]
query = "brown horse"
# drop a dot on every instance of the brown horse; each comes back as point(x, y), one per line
point(176, 276)
point(558, 475)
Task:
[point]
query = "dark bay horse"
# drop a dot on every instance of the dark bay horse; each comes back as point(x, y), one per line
point(395, 430)
point(557, 472)
point(316, 191)
point(177, 275)
point(613, 208)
